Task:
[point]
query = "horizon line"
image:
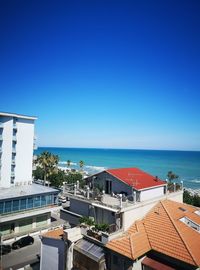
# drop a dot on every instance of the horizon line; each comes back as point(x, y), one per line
point(109, 148)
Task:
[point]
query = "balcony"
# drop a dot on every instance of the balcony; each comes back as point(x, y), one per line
point(0, 149)
point(14, 126)
point(14, 138)
point(14, 151)
point(1, 124)
point(13, 162)
point(12, 174)
point(1, 137)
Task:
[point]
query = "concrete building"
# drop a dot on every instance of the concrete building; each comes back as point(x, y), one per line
point(16, 149)
point(129, 194)
point(24, 206)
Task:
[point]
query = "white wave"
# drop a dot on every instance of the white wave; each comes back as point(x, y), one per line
point(65, 163)
point(195, 181)
point(96, 168)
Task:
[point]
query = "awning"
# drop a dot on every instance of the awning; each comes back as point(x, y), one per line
point(155, 265)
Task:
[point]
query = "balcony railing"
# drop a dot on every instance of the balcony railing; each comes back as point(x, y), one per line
point(1, 137)
point(14, 150)
point(0, 149)
point(15, 126)
point(14, 138)
point(12, 174)
point(1, 124)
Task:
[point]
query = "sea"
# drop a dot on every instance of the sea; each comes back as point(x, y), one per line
point(186, 164)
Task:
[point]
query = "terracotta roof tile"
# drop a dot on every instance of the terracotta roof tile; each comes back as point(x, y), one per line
point(136, 178)
point(162, 231)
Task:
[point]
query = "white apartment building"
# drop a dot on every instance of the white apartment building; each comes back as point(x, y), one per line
point(16, 149)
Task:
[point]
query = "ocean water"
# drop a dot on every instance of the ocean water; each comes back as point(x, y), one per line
point(186, 164)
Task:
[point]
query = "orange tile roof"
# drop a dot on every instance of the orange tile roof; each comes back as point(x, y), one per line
point(56, 234)
point(136, 178)
point(161, 230)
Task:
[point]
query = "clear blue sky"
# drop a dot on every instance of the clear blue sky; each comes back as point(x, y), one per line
point(118, 74)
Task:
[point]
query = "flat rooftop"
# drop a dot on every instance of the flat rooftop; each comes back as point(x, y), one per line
point(18, 115)
point(56, 233)
point(26, 190)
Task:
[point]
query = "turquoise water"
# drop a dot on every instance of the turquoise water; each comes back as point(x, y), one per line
point(184, 163)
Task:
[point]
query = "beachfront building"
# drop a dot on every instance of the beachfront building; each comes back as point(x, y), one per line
point(167, 238)
point(116, 197)
point(16, 149)
point(24, 206)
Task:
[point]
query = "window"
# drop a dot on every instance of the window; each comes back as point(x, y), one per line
point(115, 259)
point(37, 201)
point(49, 199)
point(23, 204)
point(1, 207)
point(15, 205)
point(43, 200)
point(30, 203)
point(8, 206)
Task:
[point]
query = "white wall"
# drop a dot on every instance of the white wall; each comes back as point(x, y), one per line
point(52, 254)
point(24, 150)
point(151, 193)
point(6, 151)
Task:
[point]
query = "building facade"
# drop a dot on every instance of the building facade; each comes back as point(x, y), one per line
point(16, 149)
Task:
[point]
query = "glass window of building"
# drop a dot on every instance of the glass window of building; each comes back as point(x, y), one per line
point(49, 199)
point(43, 200)
point(37, 201)
point(1, 207)
point(8, 205)
point(23, 204)
point(15, 205)
point(30, 203)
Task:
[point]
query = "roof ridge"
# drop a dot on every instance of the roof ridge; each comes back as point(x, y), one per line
point(193, 258)
point(143, 222)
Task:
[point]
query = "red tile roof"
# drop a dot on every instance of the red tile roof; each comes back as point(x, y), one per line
point(162, 231)
point(136, 178)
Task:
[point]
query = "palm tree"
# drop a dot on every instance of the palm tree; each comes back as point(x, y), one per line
point(171, 176)
point(81, 164)
point(68, 163)
point(48, 162)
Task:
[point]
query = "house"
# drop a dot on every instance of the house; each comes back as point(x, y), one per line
point(117, 197)
point(168, 237)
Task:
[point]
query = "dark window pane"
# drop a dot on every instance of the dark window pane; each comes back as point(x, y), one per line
point(8, 207)
point(37, 201)
point(16, 205)
point(23, 204)
point(30, 203)
point(43, 200)
point(1, 207)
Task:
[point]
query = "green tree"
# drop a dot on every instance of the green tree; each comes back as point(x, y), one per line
point(38, 173)
point(172, 176)
point(56, 179)
point(68, 163)
point(72, 178)
point(48, 163)
point(81, 164)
